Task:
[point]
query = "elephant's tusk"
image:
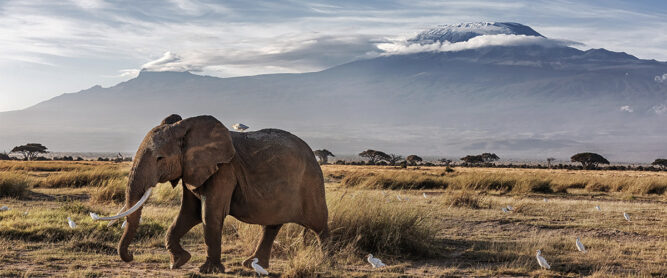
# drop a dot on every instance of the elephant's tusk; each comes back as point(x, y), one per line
point(126, 213)
point(114, 221)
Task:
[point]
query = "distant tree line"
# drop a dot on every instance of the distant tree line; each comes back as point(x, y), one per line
point(32, 151)
point(587, 161)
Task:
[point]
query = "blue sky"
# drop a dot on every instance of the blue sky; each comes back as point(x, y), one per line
point(52, 47)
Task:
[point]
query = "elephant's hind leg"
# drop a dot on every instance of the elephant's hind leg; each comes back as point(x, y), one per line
point(263, 250)
point(188, 217)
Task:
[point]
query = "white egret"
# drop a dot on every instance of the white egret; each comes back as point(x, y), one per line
point(240, 127)
point(424, 194)
point(258, 268)
point(545, 200)
point(626, 216)
point(505, 210)
point(4, 208)
point(580, 246)
point(598, 208)
point(509, 207)
point(71, 223)
point(375, 262)
point(26, 212)
point(540, 260)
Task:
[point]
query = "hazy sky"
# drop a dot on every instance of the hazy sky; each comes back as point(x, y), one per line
point(52, 47)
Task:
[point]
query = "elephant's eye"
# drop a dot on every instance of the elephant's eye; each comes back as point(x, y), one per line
point(160, 158)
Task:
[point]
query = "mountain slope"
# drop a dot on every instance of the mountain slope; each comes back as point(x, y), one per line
point(527, 101)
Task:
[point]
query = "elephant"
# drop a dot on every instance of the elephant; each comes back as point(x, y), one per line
point(267, 177)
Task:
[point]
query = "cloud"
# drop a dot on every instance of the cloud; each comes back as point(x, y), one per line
point(659, 109)
point(626, 108)
point(661, 78)
point(286, 54)
point(170, 62)
point(405, 47)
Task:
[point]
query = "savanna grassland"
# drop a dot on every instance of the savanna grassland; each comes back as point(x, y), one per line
point(421, 221)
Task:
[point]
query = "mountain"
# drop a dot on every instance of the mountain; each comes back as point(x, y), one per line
point(522, 101)
point(465, 31)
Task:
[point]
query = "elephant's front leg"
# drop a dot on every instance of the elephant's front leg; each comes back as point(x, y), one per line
point(188, 217)
point(213, 220)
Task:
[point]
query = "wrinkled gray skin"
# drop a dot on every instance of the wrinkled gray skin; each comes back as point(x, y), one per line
point(267, 177)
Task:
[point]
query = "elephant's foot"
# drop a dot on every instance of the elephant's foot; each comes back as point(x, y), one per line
point(179, 259)
point(211, 267)
point(263, 262)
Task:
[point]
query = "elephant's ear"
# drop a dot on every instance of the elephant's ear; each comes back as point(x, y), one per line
point(206, 144)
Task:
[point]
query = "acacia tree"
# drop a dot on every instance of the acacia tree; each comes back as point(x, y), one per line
point(30, 150)
point(662, 162)
point(413, 159)
point(549, 160)
point(589, 160)
point(473, 159)
point(394, 158)
point(374, 156)
point(445, 161)
point(489, 157)
point(4, 156)
point(323, 155)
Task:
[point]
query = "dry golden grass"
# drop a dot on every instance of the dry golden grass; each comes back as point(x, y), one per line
point(14, 185)
point(457, 231)
point(497, 179)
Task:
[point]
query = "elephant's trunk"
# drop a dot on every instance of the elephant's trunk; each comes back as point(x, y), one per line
point(130, 231)
point(141, 179)
point(128, 235)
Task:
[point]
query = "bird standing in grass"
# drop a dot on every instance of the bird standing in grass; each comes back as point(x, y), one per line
point(598, 208)
point(240, 127)
point(509, 207)
point(4, 208)
point(540, 260)
point(580, 246)
point(425, 196)
point(375, 262)
point(505, 210)
point(258, 268)
point(626, 216)
point(71, 223)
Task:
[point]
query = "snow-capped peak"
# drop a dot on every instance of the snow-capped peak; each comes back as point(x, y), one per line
point(465, 31)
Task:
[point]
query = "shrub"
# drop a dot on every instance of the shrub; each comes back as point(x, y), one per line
point(305, 263)
point(111, 190)
point(375, 226)
point(14, 185)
